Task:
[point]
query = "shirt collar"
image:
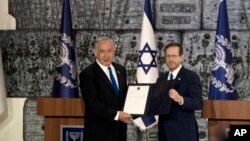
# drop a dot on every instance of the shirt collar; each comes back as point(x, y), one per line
point(175, 72)
point(104, 68)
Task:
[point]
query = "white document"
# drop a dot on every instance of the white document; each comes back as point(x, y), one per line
point(136, 99)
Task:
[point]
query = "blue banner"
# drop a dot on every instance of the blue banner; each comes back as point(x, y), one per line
point(65, 83)
point(222, 85)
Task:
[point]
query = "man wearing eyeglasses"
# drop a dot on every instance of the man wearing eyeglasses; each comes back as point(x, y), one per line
point(186, 94)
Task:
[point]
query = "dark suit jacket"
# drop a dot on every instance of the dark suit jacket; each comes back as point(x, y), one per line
point(102, 104)
point(180, 124)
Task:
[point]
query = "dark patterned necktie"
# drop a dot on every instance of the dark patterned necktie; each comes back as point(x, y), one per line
point(171, 76)
point(112, 78)
point(171, 81)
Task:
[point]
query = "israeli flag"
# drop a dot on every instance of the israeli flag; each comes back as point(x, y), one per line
point(147, 70)
point(65, 82)
point(222, 85)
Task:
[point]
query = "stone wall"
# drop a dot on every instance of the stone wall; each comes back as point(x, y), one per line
point(29, 52)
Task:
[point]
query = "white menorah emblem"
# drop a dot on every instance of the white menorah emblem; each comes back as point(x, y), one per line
point(74, 135)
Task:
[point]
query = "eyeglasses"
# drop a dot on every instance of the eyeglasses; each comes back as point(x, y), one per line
point(172, 56)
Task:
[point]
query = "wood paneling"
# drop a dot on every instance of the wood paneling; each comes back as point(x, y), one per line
point(223, 113)
point(60, 107)
point(59, 111)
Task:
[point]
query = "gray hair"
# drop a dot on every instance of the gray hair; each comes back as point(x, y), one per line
point(103, 39)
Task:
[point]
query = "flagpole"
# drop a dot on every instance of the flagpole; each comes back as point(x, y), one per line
point(147, 134)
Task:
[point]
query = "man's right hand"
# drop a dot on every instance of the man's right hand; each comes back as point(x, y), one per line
point(124, 117)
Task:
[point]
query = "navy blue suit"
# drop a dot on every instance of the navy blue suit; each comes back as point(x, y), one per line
point(180, 124)
point(102, 104)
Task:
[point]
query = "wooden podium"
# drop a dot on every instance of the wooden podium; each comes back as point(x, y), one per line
point(223, 113)
point(59, 111)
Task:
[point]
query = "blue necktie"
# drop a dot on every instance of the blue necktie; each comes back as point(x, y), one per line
point(112, 78)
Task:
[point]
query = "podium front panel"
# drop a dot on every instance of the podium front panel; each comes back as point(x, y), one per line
point(52, 126)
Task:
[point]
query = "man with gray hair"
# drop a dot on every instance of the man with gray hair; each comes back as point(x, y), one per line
point(103, 86)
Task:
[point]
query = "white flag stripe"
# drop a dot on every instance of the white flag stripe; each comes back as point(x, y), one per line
point(150, 78)
point(147, 33)
point(3, 100)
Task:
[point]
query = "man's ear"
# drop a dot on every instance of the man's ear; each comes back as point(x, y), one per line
point(94, 51)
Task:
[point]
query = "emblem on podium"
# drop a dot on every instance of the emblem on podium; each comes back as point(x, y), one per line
point(71, 133)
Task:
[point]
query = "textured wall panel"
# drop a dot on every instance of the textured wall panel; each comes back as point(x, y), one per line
point(238, 14)
point(33, 124)
point(86, 14)
point(198, 47)
point(28, 58)
point(178, 14)
point(106, 14)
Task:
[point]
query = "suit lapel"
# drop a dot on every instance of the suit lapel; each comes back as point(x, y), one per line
point(105, 78)
point(102, 75)
point(179, 76)
point(166, 77)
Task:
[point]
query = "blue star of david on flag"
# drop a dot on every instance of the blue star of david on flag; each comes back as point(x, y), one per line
point(144, 62)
